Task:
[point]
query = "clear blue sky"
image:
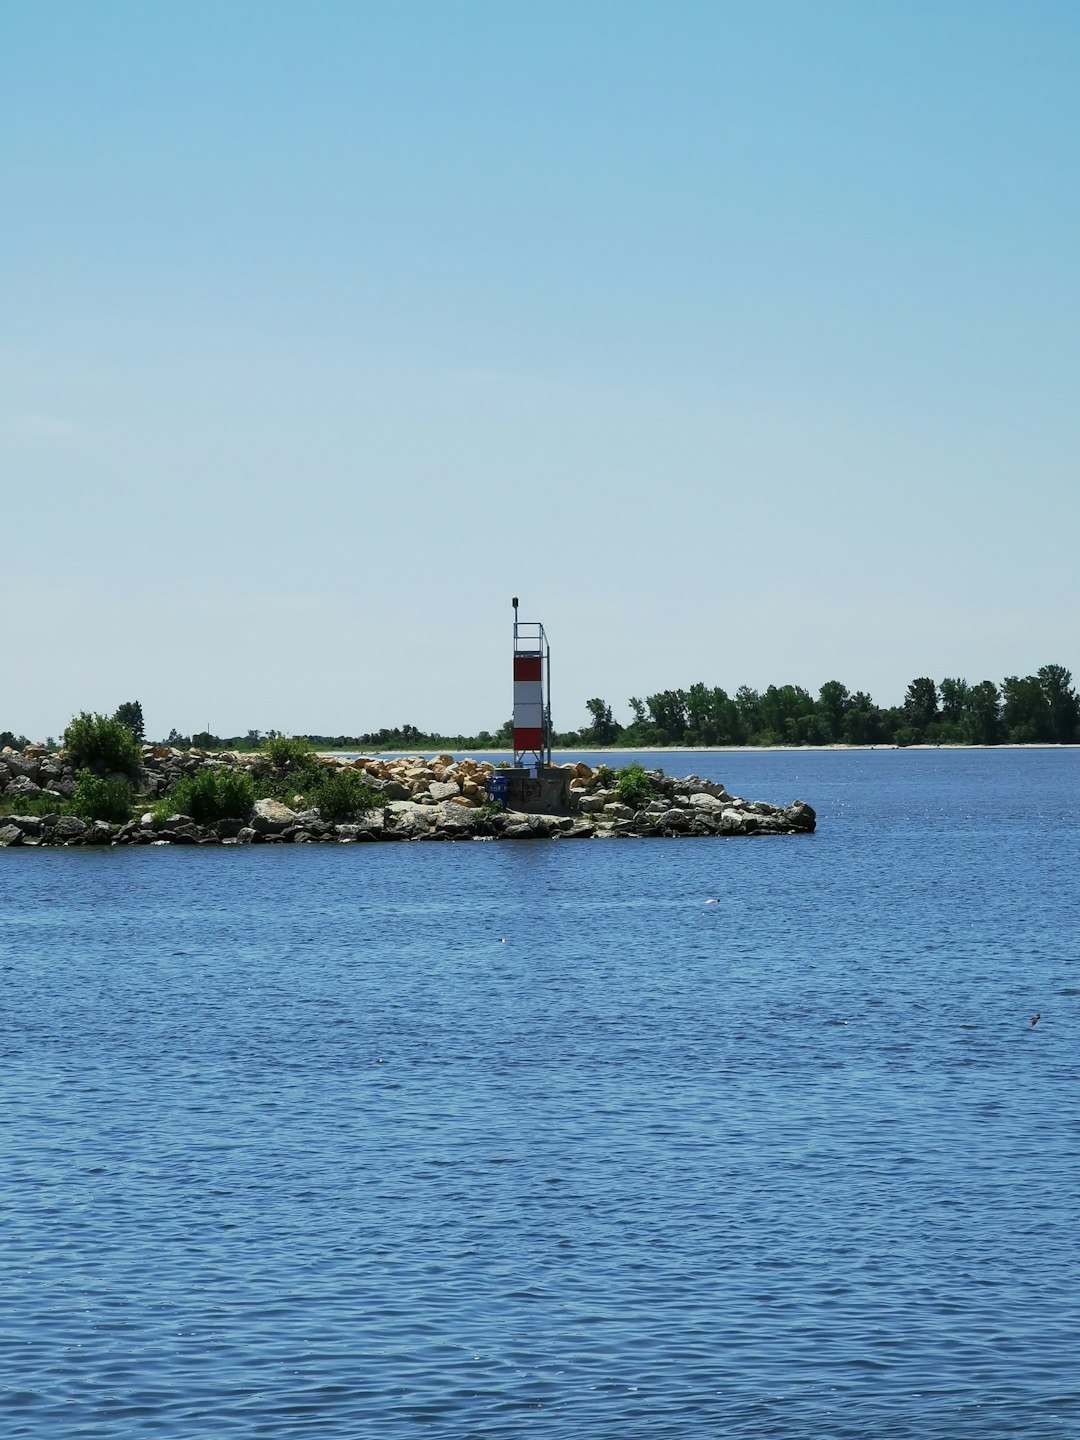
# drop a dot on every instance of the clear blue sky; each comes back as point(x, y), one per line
point(740, 340)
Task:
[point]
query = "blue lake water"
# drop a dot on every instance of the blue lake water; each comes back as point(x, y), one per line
point(720, 1137)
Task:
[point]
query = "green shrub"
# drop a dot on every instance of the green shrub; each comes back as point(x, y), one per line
point(605, 776)
point(101, 798)
point(210, 795)
point(97, 743)
point(634, 786)
point(342, 795)
point(288, 752)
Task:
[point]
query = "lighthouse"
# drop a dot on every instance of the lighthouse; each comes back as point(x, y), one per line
point(533, 783)
point(532, 693)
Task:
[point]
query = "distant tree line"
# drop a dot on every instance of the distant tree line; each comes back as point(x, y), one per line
point(1023, 710)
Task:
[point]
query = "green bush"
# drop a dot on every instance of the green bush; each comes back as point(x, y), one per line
point(634, 786)
point(98, 798)
point(342, 795)
point(97, 743)
point(605, 776)
point(288, 752)
point(210, 795)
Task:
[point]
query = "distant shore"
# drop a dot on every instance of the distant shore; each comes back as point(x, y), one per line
point(706, 749)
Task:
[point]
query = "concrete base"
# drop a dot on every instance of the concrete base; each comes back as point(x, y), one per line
point(548, 793)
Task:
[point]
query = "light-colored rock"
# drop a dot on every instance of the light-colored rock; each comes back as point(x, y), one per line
point(591, 804)
point(440, 790)
point(616, 810)
point(703, 801)
point(10, 835)
point(271, 817)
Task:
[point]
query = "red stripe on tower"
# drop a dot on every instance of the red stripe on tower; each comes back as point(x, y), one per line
point(527, 667)
point(528, 739)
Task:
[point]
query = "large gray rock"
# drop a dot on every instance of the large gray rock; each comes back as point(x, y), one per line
point(591, 804)
point(457, 820)
point(271, 817)
point(702, 800)
point(800, 816)
point(69, 827)
point(22, 788)
point(28, 824)
point(395, 790)
point(27, 765)
point(406, 821)
point(10, 835)
point(440, 790)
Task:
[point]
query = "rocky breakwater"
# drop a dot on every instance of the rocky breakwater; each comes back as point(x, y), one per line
point(414, 798)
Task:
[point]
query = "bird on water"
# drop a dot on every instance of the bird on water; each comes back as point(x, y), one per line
point(1036, 1018)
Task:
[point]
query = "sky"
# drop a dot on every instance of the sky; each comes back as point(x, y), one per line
point(740, 341)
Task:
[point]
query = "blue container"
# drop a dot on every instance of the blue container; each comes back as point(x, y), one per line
point(498, 787)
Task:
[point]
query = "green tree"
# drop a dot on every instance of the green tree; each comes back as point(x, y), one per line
point(748, 705)
point(984, 714)
point(130, 715)
point(863, 724)
point(604, 728)
point(921, 705)
point(833, 702)
point(1025, 712)
point(785, 713)
point(98, 743)
point(667, 710)
point(1061, 702)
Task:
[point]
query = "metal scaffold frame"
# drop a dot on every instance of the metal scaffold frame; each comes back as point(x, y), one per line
point(532, 692)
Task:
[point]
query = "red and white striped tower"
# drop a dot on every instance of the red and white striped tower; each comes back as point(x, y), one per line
point(532, 693)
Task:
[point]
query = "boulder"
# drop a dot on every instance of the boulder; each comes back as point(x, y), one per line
point(22, 788)
point(800, 816)
point(28, 824)
point(675, 819)
point(440, 790)
point(702, 800)
point(457, 819)
point(591, 804)
point(271, 817)
point(68, 828)
point(10, 835)
point(23, 764)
